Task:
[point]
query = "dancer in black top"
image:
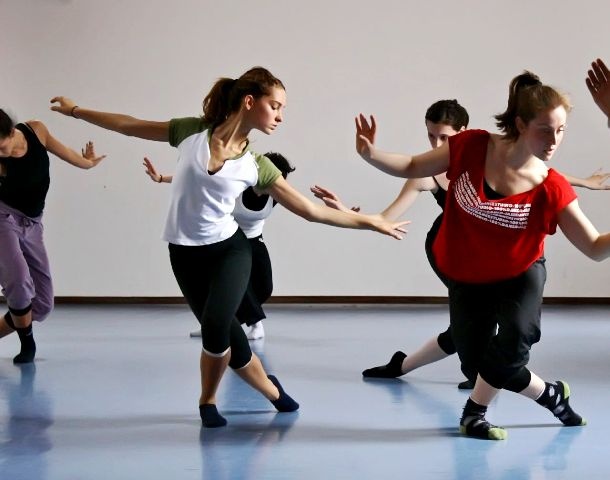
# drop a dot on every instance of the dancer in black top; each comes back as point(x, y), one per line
point(24, 182)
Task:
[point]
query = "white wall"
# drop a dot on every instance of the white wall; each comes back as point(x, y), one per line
point(157, 59)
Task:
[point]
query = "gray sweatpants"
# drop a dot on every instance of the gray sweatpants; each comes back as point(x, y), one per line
point(24, 266)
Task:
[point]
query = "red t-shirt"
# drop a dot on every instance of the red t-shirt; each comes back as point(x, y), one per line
point(483, 240)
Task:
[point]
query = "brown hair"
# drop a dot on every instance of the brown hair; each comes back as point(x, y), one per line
point(448, 112)
point(226, 94)
point(527, 97)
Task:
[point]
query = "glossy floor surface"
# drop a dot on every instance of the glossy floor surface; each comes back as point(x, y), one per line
point(113, 395)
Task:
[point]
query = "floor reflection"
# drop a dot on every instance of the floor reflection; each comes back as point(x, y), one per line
point(25, 437)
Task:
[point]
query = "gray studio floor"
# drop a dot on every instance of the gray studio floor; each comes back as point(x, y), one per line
point(114, 391)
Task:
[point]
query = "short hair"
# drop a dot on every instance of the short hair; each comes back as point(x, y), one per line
point(280, 162)
point(448, 112)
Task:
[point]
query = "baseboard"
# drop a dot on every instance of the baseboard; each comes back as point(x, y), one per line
point(314, 299)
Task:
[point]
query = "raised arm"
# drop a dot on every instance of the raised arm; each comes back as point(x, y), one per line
point(300, 205)
point(117, 122)
point(579, 230)
point(595, 181)
point(86, 159)
point(428, 164)
point(598, 83)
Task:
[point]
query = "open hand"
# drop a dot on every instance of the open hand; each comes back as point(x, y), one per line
point(598, 83)
point(597, 181)
point(151, 171)
point(65, 105)
point(393, 229)
point(331, 199)
point(89, 153)
point(365, 136)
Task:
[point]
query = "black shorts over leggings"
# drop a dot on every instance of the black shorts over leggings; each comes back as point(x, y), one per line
point(213, 279)
point(514, 306)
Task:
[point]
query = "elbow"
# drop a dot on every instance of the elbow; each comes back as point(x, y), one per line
point(597, 256)
point(601, 249)
point(309, 216)
point(311, 212)
point(126, 127)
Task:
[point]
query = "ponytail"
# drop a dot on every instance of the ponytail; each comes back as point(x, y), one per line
point(527, 96)
point(216, 102)
point(226, 94)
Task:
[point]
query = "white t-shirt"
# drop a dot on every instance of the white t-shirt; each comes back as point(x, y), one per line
point(251, 221)
point(201, 204)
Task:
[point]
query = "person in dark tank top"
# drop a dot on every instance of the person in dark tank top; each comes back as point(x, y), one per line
point(443, 119)
point(24, 182)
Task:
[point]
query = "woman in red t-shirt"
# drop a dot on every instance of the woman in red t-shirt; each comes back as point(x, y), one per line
point(502, 202)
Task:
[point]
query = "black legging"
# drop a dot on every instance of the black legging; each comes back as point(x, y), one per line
point(260, 286)
point(514, 307)
point(444, 339)
point(213, 279)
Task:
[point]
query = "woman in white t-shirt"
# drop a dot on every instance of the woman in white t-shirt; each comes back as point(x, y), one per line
point(210, 255)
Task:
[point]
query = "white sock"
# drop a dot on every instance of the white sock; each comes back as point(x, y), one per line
point(195, 333)
point(256, 331)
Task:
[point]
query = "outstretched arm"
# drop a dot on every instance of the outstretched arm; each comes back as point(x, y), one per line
point(86, 159)
point(407, 196)
point(595, 181)
point(298, 204)
point(151, 171)
point(117, 122)
point(427, 164)
point(582, 233)
point(598, 83)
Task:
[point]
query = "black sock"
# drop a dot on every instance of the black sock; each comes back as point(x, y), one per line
point(555, 397)
point(473, 423)
point(210, 417)
point(392, 369)
point(26, 337)
point(284, 403)
point(466, 385)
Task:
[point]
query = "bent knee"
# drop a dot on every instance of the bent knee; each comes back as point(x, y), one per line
point(42, 308)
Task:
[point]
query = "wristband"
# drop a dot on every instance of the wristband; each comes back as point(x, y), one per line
point(72, 111)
